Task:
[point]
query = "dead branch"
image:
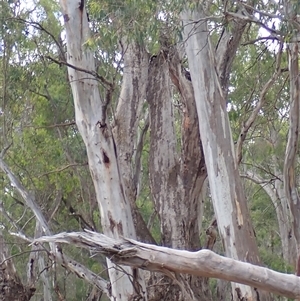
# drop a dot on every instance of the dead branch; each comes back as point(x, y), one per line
point(59, 257)
point(204, 263)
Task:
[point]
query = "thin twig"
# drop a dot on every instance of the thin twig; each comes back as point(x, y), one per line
point(63, 168)
point(93, 73)
point(273, 38)
point(51, 126)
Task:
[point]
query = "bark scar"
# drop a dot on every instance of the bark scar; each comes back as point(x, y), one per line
point(81, 5)
point(105, 158)
point(66, 18)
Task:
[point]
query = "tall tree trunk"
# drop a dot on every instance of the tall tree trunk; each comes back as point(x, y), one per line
point(36, 267)
point(128, 115)
point(228, 197)
point(175, 179)
point(290, 183)
point(92, 122)
point(176, 176)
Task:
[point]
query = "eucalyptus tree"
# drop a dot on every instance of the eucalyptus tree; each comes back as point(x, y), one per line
point(167, 69)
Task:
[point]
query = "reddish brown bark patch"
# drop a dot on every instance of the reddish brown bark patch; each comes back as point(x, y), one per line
point(114, 225)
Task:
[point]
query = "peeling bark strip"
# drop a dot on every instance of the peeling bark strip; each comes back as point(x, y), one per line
point(99, 144)
point(170, 262)
point(225, 184)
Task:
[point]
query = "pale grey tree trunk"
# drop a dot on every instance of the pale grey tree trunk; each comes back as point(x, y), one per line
point(289, 172)
point(289, 248)
point(129, 115)
point(227, 193)
point(93, 125)
point(290, 183)
point(36, 267)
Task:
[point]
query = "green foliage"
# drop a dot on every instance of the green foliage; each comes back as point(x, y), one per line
point(143, 21)
point(47, 156)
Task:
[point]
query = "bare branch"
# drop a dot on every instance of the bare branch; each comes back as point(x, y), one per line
point(26, 196)
point(20, 254)
point(11, 284)
point(75, 267)
point(63, 168)
point(82, 272)
point(39, 26)
point(93, 73)
point(255, 179)
point(51, 126)
point(260, 39)
point(168, 261)
point(5, 149)
point(10, 220)
point(264, 13)
point(253, 19)
point(68, 263)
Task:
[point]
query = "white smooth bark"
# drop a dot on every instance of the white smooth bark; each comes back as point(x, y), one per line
point(225, 184)
point(90, 113)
